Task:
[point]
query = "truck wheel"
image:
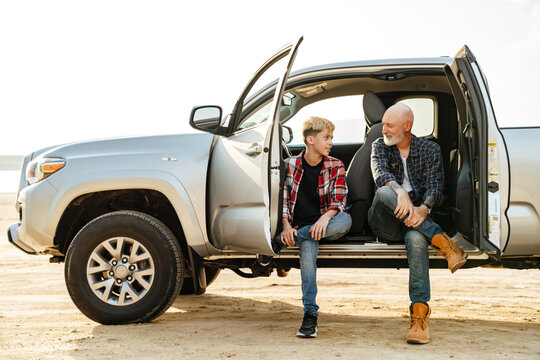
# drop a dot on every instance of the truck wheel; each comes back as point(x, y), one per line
point(211, 275)
point(124, 267)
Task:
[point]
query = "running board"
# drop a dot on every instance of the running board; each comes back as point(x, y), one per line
point(377, 250)
point(360, 247)
point(365, 246)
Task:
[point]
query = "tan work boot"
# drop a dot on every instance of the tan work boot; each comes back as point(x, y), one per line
point(446, 247)
point(282, 272)
point(419, 329)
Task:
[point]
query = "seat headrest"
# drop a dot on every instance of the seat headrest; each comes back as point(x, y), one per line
point(373, 108)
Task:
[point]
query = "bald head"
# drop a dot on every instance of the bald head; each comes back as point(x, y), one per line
point(397, 124)
point(400, 112)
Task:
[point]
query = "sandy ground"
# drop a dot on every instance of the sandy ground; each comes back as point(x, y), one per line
point(476, 314)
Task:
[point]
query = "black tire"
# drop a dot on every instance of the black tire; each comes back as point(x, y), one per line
point(139, 236)
point(211, 275)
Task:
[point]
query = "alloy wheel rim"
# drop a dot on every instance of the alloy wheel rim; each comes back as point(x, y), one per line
point(120, 271)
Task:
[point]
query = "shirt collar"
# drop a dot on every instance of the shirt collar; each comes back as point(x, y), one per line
point(325, 159)
point(413, 148)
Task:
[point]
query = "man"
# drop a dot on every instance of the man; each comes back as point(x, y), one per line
point(409, 176)
point(313, 209)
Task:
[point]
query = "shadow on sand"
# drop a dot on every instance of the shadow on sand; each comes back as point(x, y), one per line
point(214, 326)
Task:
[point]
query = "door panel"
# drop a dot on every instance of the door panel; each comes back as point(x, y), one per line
point(244, 195)
point(236, 191)
point(483, 176)
point(498, 172)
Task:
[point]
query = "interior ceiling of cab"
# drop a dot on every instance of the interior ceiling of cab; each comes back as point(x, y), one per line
point(357, 86)
point(319, 90)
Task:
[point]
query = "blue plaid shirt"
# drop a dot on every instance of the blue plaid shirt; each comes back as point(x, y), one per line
point(424, 166)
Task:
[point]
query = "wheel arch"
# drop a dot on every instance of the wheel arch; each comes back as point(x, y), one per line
point(158, 196)
point(85, 208)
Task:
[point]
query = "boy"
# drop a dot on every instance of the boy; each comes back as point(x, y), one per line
point(314, 194)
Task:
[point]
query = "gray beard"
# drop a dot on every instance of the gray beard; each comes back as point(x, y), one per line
point(394, 140)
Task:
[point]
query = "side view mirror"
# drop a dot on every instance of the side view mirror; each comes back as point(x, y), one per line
point(206, 118)
point(287, 134)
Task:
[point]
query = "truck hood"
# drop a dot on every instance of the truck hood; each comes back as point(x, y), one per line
point(130, 146)
point(141, 152)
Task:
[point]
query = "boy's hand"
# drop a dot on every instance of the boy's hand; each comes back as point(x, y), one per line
point(288, 234)
point(318, 230)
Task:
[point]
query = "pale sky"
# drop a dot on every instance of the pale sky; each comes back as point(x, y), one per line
point(78, 70)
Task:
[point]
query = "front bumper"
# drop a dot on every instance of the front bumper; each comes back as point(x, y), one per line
point(14, 239)
point(34, 233)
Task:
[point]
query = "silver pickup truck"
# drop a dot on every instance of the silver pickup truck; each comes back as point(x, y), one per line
point(140, 220)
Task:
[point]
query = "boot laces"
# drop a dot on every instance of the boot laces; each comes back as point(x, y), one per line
point(418, 320)
point(449, 248)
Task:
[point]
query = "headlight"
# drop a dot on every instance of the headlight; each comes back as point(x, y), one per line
point(39, 169)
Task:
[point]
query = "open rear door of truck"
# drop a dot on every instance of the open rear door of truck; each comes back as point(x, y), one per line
point(483, 181)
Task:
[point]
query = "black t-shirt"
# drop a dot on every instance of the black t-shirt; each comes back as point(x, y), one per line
point(307, 209)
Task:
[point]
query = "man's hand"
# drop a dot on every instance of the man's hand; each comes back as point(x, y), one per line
point(417, 217)
point(288, 233)
point(404, 204)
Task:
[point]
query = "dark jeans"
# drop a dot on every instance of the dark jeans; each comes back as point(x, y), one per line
point(384, 224)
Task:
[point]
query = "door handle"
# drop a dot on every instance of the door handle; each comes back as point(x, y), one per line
point(254, 150)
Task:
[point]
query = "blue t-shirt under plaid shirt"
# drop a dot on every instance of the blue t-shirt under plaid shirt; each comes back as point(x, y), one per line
point(424, 166)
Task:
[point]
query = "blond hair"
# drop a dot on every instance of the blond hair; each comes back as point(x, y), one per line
point(315, 125)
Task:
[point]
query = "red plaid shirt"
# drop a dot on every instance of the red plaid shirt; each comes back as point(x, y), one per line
point(332, 185)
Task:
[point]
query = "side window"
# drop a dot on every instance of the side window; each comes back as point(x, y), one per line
point(346, 112)
point(425, 113)
point(258, 117)
point(262, 86)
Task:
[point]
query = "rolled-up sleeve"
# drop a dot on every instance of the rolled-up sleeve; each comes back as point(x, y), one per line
point(379, 164)
point(286, 197)
point(339, 190)
point(434, 175)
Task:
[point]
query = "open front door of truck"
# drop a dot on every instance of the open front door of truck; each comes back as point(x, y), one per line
point(483, 179)
point(244, 197)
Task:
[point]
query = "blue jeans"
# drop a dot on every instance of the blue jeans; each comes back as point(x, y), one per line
point(338, 226)
point(385, 225)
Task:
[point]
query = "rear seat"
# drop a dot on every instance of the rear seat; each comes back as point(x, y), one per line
point(359, 178)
